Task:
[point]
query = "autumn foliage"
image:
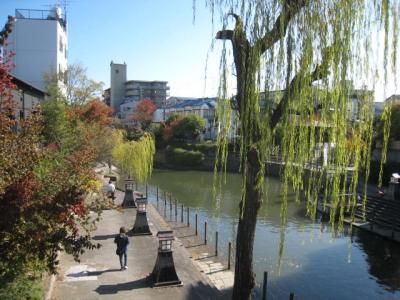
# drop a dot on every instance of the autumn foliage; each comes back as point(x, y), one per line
point(46, 173)
point(143, 113)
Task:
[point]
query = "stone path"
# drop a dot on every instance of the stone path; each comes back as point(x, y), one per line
point(98, 274)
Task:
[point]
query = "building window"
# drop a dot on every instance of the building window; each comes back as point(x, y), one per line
point(116, 71)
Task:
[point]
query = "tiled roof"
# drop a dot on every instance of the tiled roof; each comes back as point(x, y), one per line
point(210, 102)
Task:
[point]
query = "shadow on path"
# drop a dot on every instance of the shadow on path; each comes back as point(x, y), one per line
point(107, 289)
point(97, 273)
point(103, 237)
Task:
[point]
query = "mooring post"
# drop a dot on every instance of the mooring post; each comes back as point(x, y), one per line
point(195, 223)
point(165, 211)
point(170, 202)
point(176, 211)
point(216, 243)
point(205, 233)
point(146, 191)
point(188, 223)
point(291, 296)
point(229, 255)
point(157, 195)
point(165, 198)
point(182, 213)
point(264, 293)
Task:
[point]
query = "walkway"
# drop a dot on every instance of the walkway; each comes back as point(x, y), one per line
point(98, 274)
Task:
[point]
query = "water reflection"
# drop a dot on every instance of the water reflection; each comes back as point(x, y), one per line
point(315, 265)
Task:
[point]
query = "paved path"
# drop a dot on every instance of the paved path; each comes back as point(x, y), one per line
point(98, 274)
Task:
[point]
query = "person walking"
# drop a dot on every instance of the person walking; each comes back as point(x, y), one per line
point(122, 242)
point(111, 190)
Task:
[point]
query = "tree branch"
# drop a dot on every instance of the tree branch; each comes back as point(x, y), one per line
point(289, 10)
point(321, 71)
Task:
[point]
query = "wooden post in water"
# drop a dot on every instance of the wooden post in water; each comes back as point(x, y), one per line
point(229, 255)
point(188, 223)
point(291, 296)
point(146, 191)
point(205, 233)
point(182, 213)
point(165, 198)
point(195, 223)
point(264, 292)
point(216, 243)
point(157, 197)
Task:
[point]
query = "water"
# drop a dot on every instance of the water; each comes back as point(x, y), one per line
point(314, 265)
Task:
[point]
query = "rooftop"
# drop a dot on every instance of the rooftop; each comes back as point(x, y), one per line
point(39, 14)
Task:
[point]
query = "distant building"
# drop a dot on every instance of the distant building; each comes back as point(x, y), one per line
point(122, 91)
point(203, 107)
point(39, 42)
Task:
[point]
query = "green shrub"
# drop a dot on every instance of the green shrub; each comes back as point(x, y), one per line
point(22, 288)
point(182, 157)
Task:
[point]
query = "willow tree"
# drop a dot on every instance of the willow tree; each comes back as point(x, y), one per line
point(134, 158)
point(308, 51)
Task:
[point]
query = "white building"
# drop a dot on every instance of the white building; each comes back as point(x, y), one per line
point(123, 91)
point(203, 107)
point(39, 42)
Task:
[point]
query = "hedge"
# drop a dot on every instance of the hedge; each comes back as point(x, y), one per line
point(182, 157)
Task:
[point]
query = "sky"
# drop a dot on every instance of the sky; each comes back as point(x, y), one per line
point(157, 39)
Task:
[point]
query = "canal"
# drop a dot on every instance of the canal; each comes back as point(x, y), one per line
point(314, 264)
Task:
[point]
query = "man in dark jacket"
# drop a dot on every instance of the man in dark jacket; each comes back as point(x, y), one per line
point(122, 242)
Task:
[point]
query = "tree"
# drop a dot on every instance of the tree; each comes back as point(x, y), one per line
point(290, 45)
point(189, 128)
point(77, 87)
point(143, 113)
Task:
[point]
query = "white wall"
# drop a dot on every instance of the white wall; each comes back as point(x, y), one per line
point(36, 44)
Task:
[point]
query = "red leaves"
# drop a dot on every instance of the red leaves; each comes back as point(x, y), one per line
point(94, 111)
point(144, 111)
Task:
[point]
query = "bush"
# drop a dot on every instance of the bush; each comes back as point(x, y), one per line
point(182, 157)
point(22, 288)
point(189, 128)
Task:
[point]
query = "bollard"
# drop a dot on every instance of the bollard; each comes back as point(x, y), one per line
point(229, 255)
point(165, 198)
point(188, 223)
point(216, 243)
point(205, 233)
point(157, 197)
point(147, 194)
point(196, 224)
point(182, 213)
point(176, 211)
point(291, 296)
point(264, 295)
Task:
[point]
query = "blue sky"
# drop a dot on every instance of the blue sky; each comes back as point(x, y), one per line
point(156, 38)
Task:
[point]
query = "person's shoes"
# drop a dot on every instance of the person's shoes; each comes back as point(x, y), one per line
point(122, 268)
point(126, 267)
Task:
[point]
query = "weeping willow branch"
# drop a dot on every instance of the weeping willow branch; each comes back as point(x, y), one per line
point(289, 10)
point(321, 71)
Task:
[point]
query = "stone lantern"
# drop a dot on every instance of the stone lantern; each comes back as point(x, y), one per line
point(164, 272)
point(129, 200)
point(141, 226)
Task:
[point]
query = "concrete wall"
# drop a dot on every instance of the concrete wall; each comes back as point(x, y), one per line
point(117, 85)
point(40, 48)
